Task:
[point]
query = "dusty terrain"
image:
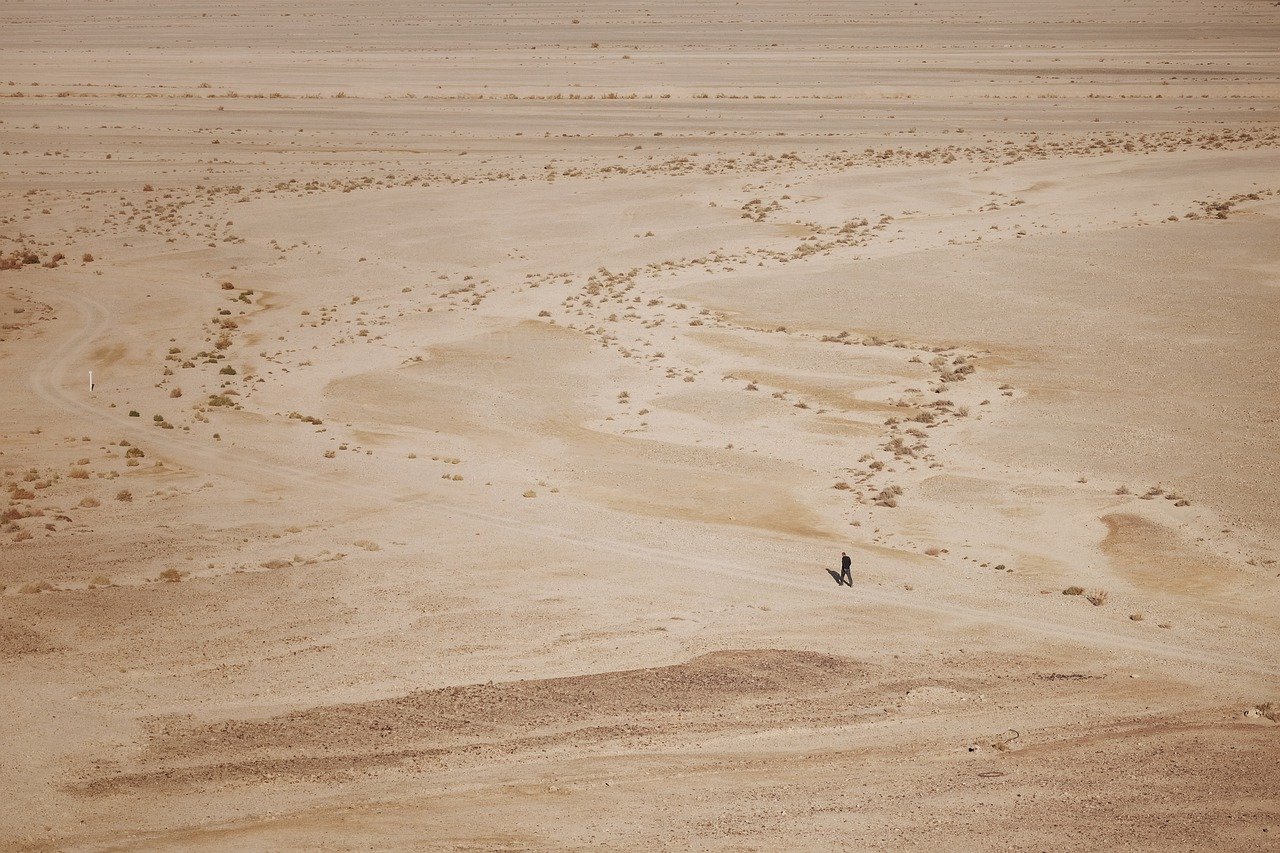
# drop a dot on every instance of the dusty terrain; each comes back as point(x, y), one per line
point(483, 393)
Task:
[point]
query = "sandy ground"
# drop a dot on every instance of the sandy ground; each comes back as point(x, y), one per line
point(484, 392)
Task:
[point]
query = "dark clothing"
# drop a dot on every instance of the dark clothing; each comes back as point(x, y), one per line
point(846, 576)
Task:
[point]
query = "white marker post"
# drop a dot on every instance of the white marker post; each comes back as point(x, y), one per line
point(90, 381)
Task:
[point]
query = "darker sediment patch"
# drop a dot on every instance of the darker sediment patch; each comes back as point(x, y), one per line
point(718, 691)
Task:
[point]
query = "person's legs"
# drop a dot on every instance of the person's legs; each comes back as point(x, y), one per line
point(846, 576)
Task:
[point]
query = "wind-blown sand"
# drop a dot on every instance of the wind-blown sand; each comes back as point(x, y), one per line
point(483, 393)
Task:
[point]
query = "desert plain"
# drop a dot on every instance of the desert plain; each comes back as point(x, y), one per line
point(483, 394)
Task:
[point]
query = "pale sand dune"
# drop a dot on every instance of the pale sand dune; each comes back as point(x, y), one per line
point(483, 391)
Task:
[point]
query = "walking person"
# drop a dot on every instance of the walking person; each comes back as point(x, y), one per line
point(846, 575)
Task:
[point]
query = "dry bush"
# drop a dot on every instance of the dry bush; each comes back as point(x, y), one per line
point(367, 544)
point(176, 392)
point(530, 494)
point(100, 580)
point(124, 495)
point(21, 494)
point(35, 587)
point(170, 575)
point(888, 496)
point(135, 452)
point(1135, 617)
point(842, 486)
point(79, 474)
point(1270, 710)
point(932, 552)
point(1097, 598)
point(90, 503)
point(1073, 590)
point(86, 258)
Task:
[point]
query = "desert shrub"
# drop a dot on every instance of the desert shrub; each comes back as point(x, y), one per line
point(124, 495)
point(79, 474)
point(136, 452)
point(888, 496)
point(1097, 598)
point(227, 370)
point(90, 502)
point(171, 575)
point(1073, 590)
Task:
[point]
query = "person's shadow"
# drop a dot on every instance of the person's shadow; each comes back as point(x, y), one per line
point(835, 576)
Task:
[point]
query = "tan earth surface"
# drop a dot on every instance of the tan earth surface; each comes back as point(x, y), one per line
point(483, 393)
